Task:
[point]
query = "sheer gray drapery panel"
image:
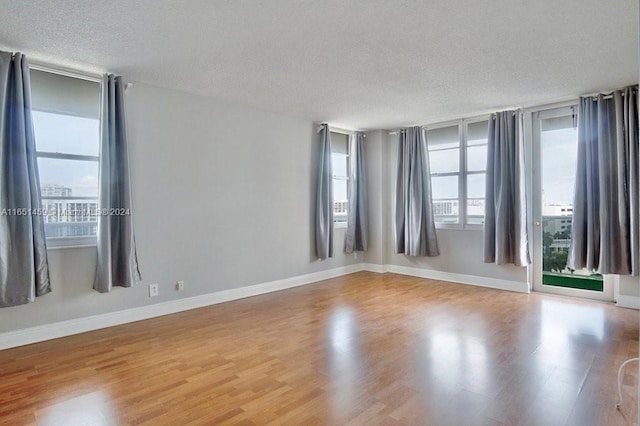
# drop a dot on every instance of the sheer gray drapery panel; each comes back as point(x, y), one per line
point(415, 228)
point(117, 263)
point(505, 223)
point(324, 197)
point(605, 226)
point(357, 234)
point(24, 269)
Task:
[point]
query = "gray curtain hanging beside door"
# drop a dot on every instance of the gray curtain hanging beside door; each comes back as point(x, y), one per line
point(505, 224)
point(24, 269)
point(605, 227)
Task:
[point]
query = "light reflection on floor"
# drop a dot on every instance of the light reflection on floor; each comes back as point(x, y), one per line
point(90, 409)
point(344, 360)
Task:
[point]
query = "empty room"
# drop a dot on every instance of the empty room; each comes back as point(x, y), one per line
point(319, 212)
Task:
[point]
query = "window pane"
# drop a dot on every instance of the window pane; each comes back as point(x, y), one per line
point(445, 161)
point(475, 198)
point(339, 200)
point(446, 211)
point(444, 187)
point(445, 137)
point(66, 134)
point(68, 177)
point(476, 185)
point(476, 158)
point(339, 164)
point(477, 133)
point(339, 143)
point(64, 95)
point(66, 217)
point(475, 212)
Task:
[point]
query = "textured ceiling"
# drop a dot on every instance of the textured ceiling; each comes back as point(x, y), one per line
point(353, 63)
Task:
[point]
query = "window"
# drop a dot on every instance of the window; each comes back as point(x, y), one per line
point(457, 158)
point(476, 171)
point(340, 166)
point(66, 125)
point(444, 157)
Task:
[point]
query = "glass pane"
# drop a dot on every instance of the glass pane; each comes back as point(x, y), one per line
point(339, 143)
point(475, 198)
point(477, 133)
point(339, 164)
point(339, 200)
point(476, 158)
point(68, 177)
point(445, 137)
point(66, 134)
point(446, 211)
point(475, 211)
point(444, 187)
point(558, 168)
point(476, 185)
point(446, 161)
point(64, 95)
point(446, 207)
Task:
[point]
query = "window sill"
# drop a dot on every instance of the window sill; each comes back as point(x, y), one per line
point(460, 227)
point(71, 247)
point(71, 242)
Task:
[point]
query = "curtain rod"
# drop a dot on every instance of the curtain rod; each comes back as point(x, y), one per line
point(608, 94)
point(568, 101)
point(338, 130)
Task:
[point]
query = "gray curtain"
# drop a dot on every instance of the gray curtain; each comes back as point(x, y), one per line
point(505, 222)
point(415, 226)
point(357, 235)
point(117, 263)
point(605, 225)
point(324, 197)
point(24, 270)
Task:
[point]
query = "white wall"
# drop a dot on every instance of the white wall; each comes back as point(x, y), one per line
point(373, 166)
point(223, 198)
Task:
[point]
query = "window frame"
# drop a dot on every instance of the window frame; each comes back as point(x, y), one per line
point(462, 172)
point(68, 241)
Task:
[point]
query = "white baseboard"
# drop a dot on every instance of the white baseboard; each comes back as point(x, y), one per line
point(517, 286)
point(41, 333)
point(632, 302)
point(374, 267)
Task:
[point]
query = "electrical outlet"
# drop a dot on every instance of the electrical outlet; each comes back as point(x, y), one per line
point(180, 285)
point(154, 290)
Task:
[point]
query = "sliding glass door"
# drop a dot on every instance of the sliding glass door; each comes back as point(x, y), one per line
point(554, 151)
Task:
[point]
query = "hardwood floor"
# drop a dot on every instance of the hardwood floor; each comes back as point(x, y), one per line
point(361, 349)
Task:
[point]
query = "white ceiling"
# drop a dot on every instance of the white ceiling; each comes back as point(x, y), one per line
point(353, 63)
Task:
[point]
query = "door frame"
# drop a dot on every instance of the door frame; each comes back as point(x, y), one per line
point(533, 147)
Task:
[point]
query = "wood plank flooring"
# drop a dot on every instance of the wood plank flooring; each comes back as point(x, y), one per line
point(362, 349)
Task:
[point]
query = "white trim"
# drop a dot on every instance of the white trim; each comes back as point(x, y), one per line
point(41, 333)
point(517, 286)
point(632, 302)
point(64, 71)
point(374, 267)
